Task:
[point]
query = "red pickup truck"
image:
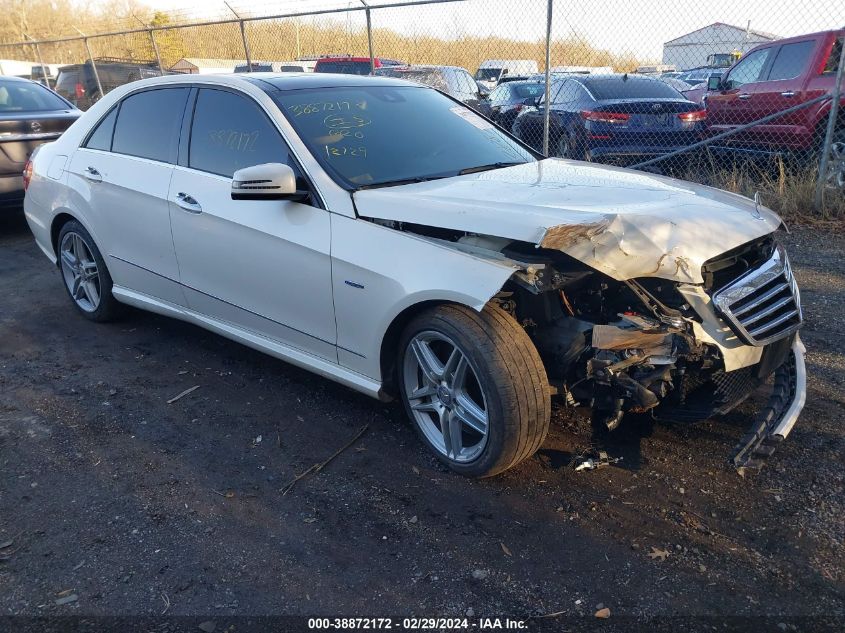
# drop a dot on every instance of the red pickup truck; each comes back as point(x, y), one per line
point(773, 77)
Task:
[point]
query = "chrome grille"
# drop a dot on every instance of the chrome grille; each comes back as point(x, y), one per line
point(764, 304)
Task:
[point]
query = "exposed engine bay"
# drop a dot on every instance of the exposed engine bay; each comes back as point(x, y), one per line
point(642, 345)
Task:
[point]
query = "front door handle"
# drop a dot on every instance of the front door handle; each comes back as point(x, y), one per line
point(92, 174)
point(787, 93)
point(188, 203)
point(744, 96)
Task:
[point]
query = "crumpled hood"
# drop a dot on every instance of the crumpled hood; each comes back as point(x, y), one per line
point(621, 222)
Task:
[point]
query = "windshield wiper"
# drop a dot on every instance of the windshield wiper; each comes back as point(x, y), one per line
point(396, 183)
point(491, 166)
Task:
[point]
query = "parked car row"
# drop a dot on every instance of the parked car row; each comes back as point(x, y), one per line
point(612, 118)
point(617, 118)
point(381, 235)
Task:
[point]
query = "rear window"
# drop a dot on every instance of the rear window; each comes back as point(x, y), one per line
point(344, 67)
point(528, 90)
point(630, 88)
point(28, 97)
point(101, 137)
point(791, 60)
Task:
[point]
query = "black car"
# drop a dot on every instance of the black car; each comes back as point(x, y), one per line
point(508, 99)
point(78, 84)
point(30, 115)
point(617, 118)
point(452, 80)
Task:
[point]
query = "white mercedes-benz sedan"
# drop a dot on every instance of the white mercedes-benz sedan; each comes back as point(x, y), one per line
point(385, 236)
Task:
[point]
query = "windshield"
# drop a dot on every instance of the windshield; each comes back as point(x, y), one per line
point(28, 97)
point(488, 74)
point(344, 68)
point(372, 135)
point(630, 88)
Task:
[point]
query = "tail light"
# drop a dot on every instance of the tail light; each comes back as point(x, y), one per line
point(695, 116)
point(79, 89)
point(605, 117)
point(518, 107)
point(27, 174)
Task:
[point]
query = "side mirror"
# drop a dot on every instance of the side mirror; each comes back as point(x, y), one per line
point(269, 181)
point(536, 101)
point(531, 101)
point(714, 83)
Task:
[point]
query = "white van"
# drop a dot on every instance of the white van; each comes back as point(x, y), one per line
point(490, 71)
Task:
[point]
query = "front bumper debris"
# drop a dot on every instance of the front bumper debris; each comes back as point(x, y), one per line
point(776, 420)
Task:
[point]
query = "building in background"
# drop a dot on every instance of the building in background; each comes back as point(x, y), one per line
point(712, 45)
point(202, 66)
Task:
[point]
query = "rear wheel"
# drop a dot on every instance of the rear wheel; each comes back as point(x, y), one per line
point(84, 272)
point(474, 387)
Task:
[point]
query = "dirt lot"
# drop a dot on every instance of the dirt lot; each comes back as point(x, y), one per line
point(139, 507)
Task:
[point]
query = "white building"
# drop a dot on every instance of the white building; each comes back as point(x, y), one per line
point(200, 66)
point(695, 49)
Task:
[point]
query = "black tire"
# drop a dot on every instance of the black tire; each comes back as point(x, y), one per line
point(509, 373)
point(108, 308)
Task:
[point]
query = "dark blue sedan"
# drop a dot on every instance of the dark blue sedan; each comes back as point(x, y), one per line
point(617, 119)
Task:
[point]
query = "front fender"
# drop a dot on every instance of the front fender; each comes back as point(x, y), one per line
point(379, 272)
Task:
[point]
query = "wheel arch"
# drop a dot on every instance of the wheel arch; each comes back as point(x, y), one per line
point(59, 220)
point(390, 340)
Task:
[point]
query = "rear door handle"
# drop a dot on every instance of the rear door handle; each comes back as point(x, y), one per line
point(787, 93)
point(744, 96)
point(188, 203)
point(92, 174)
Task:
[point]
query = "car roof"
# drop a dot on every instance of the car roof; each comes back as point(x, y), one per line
point(280, 81)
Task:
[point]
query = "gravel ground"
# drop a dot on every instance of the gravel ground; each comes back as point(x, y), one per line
point(119, 503)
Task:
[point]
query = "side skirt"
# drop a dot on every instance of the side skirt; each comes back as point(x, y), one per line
point(294, 356)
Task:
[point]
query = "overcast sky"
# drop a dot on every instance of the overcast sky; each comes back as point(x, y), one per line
point(622, 26)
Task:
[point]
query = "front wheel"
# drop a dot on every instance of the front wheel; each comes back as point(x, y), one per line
point(474, 387)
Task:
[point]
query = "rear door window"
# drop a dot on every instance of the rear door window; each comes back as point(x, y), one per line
point(148, 124)
point(791, 60)
point(832, 63)
point(229, 132)
point(568, 93)
point(102, 135)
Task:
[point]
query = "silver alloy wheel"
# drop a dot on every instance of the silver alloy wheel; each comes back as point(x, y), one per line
point(79, 269)
point(445, 396)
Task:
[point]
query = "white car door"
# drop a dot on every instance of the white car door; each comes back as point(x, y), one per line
point(122, 173)
point(262, 265)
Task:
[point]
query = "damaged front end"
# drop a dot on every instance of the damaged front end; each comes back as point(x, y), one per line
point(682, 352)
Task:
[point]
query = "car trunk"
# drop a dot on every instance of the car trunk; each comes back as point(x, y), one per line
point(648, 123)
point(22, 132)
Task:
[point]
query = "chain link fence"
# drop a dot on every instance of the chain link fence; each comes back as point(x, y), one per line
point(742, 96)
